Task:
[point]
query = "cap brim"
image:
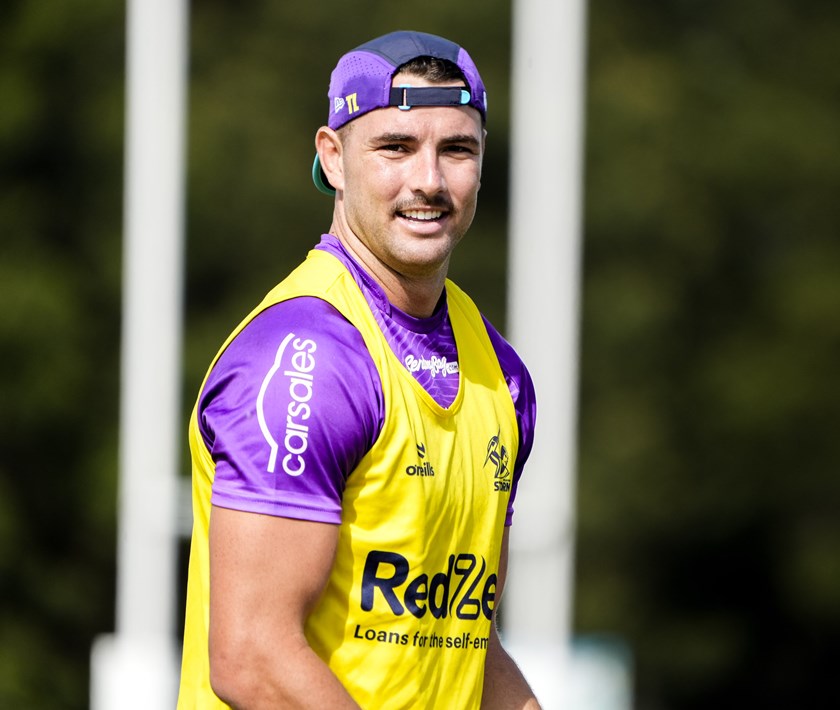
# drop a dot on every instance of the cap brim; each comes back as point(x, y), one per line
point(320, 179)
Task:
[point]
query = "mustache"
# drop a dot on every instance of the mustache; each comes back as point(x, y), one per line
point(437, 202)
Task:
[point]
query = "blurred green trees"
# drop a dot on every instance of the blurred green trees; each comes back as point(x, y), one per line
point(708, 461)
point(708, 525)
point(60, 202)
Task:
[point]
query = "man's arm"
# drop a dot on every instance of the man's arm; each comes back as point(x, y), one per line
point(505, 688)
point(266, 574)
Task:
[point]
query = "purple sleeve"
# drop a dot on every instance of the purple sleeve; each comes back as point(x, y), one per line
point(288, 410)
point(524, 401)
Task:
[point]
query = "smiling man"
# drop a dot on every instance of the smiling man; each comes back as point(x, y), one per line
point(358, 441)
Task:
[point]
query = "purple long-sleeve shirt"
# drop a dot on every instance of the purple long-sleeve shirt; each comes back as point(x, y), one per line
point(327, 400)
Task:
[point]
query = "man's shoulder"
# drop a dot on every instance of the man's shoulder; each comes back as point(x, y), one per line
point(302, 317)
point(302, 342)
point(506, 353)
point(513, 367)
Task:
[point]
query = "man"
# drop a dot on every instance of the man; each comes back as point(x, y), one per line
point(358, 440)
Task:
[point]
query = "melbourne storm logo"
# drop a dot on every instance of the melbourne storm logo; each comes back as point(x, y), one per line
point(499, 457)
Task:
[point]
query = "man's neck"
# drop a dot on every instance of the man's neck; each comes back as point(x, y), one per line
point(417, 296)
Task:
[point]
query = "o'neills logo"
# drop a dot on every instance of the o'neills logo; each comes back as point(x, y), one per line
point(423, 468)
point(294, 363)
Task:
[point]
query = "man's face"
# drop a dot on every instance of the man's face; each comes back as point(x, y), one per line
point(411, 181)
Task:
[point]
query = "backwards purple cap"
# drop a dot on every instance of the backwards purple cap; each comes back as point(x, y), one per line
point(361, 82)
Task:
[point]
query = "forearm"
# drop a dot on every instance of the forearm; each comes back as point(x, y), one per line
point(505, 688)
point(297, 679)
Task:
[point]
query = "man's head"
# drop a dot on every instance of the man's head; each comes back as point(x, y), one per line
point(362, 81)
point(402, 153)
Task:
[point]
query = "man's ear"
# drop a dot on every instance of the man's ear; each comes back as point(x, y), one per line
point(329, 147)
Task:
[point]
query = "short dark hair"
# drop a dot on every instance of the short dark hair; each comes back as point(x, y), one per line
point(435, 70)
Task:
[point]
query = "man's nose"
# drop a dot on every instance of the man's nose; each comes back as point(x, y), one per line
point(427, 175)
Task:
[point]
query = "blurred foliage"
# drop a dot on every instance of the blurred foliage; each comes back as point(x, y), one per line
point(708, 523)
point(60, 201)
point(708, 487)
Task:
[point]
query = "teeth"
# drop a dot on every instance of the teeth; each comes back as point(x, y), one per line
point(423, 214)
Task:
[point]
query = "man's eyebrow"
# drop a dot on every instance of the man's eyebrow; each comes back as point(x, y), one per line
point(384, 138)
point(393, 138)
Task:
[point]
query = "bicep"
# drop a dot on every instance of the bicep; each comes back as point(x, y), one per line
point(288, 410)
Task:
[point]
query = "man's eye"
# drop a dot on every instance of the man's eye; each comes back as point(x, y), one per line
point(395, 147)
point(461, 149)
